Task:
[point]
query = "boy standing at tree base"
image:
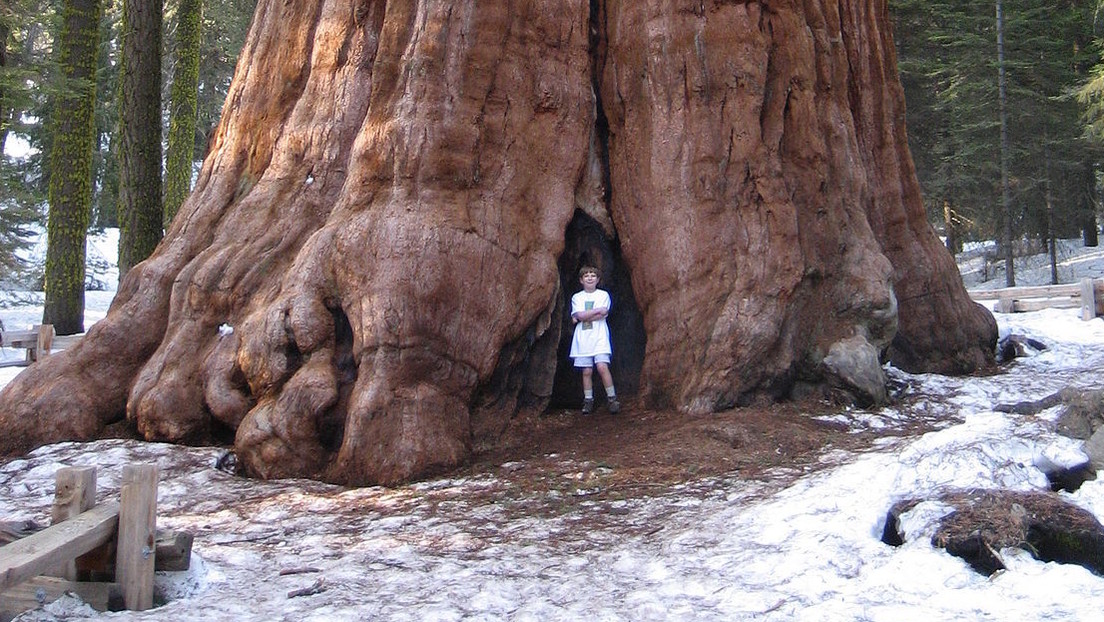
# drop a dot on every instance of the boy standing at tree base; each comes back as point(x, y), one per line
point(590, 345)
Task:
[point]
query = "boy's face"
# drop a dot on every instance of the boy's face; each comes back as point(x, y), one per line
point(589, 281)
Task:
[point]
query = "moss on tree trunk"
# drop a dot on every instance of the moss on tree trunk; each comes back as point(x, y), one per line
point(71, 167)
point(183, 106)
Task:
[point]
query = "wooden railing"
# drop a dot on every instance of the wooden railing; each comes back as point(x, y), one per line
point(38, 342)
point(84, 540)
point(1087, 295)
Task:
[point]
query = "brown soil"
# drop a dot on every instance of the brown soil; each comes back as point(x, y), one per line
point(639, 451)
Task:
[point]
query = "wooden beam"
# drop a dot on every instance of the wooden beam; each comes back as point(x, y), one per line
point(1043, 291)
point(41, 590)
point(1088, 299)
point(19, 338)
point(174, 551)
point(74, 493)
point(1038, 304)
point(43, 551)
point(43, 342)
point(134, 562)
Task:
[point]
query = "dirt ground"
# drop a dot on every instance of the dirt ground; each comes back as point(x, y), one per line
point(640, 451)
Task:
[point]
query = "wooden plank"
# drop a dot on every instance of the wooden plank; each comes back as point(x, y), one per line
point(74, 494)
point(1088, 299)
point(1044, 291)
point(1022, 306)
point(134, 562)
point(9, 338)
point(41, 552)
point(41, 590)
point(174, 551)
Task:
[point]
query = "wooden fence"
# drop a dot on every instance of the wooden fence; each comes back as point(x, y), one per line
point(90, 540)
point(39, 342)
point(1087, 295)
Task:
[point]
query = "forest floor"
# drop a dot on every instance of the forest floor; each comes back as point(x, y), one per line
point(639, 452)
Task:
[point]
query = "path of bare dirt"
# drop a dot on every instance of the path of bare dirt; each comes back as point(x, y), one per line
point(640, 451)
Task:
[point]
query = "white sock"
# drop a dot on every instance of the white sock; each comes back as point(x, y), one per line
point(588, 394)
point(611, 392)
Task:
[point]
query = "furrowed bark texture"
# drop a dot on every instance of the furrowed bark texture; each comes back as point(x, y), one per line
point(70, 191)
point(368, 280)
point(139, 132)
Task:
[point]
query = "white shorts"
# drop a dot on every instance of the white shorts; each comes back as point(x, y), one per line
point(589, 361)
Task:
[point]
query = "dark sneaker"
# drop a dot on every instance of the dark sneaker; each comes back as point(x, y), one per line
point(614, 406)
point(588, 407)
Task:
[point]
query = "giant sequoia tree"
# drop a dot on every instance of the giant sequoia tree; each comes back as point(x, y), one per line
point(365, 283)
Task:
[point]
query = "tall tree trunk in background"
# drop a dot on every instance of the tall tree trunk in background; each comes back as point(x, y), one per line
point(182, 107)
point(5, 34)
point(1048, 198)
point(1089, 227)
point(1006, 199)
point(71, 167)
point(139, 132)
point(365, 284)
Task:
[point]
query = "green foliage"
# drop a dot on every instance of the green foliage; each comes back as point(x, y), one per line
point(29, 30)
point(225, 25)
point(18, 216)
point(948, 61)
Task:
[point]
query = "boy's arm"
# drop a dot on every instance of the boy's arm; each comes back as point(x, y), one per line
point(590, 315)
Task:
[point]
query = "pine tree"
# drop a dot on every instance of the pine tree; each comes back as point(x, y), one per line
point(139, 133)
point(71, 167)
point(947, 54)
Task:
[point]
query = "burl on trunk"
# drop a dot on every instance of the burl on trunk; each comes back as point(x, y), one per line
point(369, 279)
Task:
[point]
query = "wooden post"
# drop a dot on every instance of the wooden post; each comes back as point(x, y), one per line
point(1006, 305)
point(75, 492)
point(137, 535)
point(1088, 299)
point(43, 344)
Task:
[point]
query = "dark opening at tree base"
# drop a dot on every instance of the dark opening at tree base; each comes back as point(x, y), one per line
point(586, 243)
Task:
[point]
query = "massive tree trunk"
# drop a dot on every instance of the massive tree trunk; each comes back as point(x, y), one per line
point(369, 279)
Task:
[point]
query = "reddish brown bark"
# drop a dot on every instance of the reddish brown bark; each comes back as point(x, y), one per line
point(399, 192)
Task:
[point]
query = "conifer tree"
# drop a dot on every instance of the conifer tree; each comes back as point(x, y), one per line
point(183, 107)
point(71, 167)
point(140, 214)
point(947, 53)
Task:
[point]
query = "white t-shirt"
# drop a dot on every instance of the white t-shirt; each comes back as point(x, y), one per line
point(592, 337)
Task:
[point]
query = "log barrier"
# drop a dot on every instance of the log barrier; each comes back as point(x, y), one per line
point(1087, 295)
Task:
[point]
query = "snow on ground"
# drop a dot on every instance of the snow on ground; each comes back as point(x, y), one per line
point(457, 548)
point(982, 269)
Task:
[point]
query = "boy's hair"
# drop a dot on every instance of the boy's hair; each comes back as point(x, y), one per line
point(585, 270)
